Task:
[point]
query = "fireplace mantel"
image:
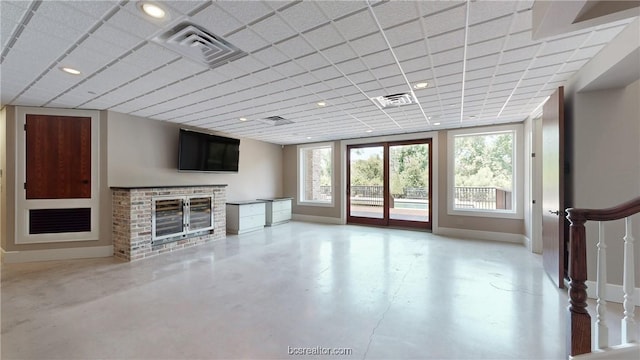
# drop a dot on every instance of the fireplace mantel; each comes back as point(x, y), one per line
point(132, 219)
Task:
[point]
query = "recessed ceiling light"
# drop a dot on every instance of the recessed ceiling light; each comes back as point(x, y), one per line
point(436, 124)
point(243, 119)
point(153, 10)
point(71, 71)
point(420, 85)
point(322, 103)
point(369, 131)
point(308, 137)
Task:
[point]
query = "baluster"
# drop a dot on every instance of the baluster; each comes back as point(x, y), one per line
point(579, 331)
point(601, 329)
point(628, 284)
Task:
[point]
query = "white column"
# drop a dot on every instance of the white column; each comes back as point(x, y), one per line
point(601, 329)
point(628, 285)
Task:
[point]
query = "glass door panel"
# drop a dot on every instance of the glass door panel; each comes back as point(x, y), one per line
point(409, 182)
point(366, 182)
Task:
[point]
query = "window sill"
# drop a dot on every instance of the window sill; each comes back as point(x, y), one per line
point(315, 203)
point(487, 214)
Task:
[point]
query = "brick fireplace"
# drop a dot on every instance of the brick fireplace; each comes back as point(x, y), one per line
point(133, 216)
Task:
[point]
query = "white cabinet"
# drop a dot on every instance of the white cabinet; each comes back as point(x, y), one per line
point(245, 216)
point(278, 210)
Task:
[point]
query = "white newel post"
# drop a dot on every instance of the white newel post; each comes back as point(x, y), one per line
point(628, 284)
point(601, 329)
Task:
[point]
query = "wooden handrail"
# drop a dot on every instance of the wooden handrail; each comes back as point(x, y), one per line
point(579, 327)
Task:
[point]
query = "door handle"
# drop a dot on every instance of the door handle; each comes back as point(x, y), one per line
point(557, 212)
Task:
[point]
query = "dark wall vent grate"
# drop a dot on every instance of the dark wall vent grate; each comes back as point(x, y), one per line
point(53, 221)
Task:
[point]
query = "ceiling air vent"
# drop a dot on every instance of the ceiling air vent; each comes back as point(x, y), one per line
point(394, 100)
point(192, 41)
point(276, 121)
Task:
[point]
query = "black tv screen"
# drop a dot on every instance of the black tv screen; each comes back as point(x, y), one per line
point(205, 152)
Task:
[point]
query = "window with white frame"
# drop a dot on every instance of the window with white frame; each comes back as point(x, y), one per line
point(485, 172)
point(315, 184)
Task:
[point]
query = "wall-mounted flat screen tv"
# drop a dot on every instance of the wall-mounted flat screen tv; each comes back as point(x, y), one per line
point(205, 152)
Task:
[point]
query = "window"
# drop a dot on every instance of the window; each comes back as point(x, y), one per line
point(485, 176)
point(315, 185)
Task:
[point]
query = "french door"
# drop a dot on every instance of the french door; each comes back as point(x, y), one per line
point(389, 184)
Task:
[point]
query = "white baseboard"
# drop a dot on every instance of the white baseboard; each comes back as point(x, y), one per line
point(317, 219)
point(482, 235)
point(614, 293)
point(12, 257)
point(617, 352)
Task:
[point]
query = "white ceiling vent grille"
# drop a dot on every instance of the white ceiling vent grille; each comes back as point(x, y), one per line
point(394, 100)
point(276, 120)
point(192, 41)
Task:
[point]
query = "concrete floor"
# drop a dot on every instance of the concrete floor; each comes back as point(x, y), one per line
point(382, 293)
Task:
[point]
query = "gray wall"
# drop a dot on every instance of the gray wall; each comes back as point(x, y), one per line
point(606, 165)
point(136, 151)
point(144, 152)
point(290, 184)
point(512, 226)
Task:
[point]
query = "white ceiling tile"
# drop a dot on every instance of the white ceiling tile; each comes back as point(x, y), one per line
point(324, 36)
point(519, 54)
point(126, 21)
point(483, 62)
point(247, 40)
point(116, 37)
point(7, 27)
point(351, 66)
point(522, 21)
point(339, 53)
point(295, 47)
point(448, 69)
point(415, 64)
point(479, 74)
point(361, 77)
point(185, 7)
point(499, 79)
point(303, 16)
point(378, 59)
point(150, 56)
point(586, 53)
point(518, 40)
point(560, 45)
point(369, 44)
point(452, 19)
point(66, 15)
point(484, 48)
point(573, 65)
point(405, 33)
point(446, 41)
point(289, 68)
point(216, 20)
point(245, 11)
point(603, 36)
point(273, 29)
point(335, 9)
point(249, 64)
point(551, 59)
point(480, 11)
point(518, 66)
point(491, 29)
point(430, 7)
point(326, 73)
point(543, 71)
point(26, 65)
point(447, 57)
point(312, 61)
point(386, 71)
point(410, 51)
point(270, 56)
point(356, 25)
point(420, 75)
point(451, 79)
point(395, 12)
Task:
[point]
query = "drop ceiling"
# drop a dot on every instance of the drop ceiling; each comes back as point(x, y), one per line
point(478, 57)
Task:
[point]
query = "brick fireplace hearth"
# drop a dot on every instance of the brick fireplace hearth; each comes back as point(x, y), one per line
point(132, 219)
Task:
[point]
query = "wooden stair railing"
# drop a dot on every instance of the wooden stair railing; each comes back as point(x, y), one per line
point(579, 326)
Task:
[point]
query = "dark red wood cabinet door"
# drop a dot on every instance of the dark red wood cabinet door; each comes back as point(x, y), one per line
point(58, 157)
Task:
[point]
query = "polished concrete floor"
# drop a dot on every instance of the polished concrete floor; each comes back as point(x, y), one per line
point(380, 293)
